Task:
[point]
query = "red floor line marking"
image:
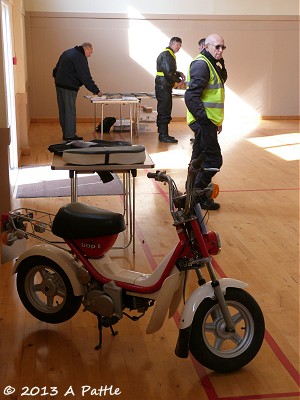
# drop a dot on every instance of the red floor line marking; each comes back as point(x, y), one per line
point(282, 358)
point(207, 385)
point(257, 190)
point(294, 374)
point(262, 396)
point(201, 372)
point(146, 248)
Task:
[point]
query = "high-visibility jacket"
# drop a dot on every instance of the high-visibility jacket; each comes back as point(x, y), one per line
point(166, 68)
point(212, 96)
point(161, 73)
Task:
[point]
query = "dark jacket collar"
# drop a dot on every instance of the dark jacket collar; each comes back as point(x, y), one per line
point(80, 49)
point(221, 71)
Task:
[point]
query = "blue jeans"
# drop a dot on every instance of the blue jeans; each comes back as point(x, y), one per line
point(66, 100)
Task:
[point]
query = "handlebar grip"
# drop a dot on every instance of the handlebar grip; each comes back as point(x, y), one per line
point(197, 162)
point(159, 176)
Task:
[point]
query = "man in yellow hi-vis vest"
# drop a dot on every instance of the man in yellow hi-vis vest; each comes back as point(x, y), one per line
point(166, 77)
point(204, 99)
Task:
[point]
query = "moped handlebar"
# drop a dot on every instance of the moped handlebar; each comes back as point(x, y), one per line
point(151, 175)
point(176, 198)
point(160, 176)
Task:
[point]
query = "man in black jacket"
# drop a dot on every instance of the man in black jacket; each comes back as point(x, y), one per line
point(204, 99)
point(70, 73)
point(166, 77)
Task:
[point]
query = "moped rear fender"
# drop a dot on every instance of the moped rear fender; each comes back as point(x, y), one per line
point(60, 257)
point(201, 293)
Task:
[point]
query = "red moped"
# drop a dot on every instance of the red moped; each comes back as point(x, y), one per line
point(220, 324)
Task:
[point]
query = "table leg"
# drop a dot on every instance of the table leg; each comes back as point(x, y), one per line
point(125, 196)
point(129, 208)
point(129, 202)
point(121, 119)
point(101, 135)
point(73, 183)
point(137, 118)
point(130, 116)
point(134, 173)
point(95, 116)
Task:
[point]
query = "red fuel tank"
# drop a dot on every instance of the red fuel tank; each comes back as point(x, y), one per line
point(96, 247)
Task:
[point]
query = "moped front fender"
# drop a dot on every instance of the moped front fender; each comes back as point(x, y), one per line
point(190, 307)
point(60, 257)
point(201, 293)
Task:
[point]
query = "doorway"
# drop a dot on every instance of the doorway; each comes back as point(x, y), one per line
point(9, 86)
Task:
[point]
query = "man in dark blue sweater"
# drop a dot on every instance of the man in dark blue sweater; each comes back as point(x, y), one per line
point(70, 73)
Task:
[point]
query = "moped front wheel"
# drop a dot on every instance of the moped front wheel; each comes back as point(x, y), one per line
point(216, 348)
point(45, 290)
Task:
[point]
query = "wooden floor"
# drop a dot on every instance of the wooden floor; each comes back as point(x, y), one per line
point(258, 223)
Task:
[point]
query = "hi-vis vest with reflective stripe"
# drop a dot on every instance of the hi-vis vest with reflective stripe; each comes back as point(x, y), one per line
point(160, 73)
point(212, 97)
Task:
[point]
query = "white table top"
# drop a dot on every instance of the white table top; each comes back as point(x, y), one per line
point(59, 164)
point(116, 100)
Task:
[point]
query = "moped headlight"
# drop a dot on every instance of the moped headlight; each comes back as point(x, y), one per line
point(213, 242)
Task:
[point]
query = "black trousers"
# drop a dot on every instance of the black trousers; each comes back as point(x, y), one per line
point(206, 141)
point(164, 108)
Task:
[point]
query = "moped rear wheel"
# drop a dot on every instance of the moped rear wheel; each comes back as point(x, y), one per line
point(45, 290)
point(223, 351)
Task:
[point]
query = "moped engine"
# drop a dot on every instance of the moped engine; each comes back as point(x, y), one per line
point(97, 301)
point(104, 300)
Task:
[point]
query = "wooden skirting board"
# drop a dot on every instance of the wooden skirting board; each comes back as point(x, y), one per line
point(174, 119)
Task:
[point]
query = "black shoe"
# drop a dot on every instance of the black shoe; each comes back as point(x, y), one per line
point(167, 139)
point(73, 138)
point(209, 204)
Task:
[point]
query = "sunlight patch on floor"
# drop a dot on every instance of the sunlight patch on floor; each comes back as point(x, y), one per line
point(285, 146)
point(27, 175)
point(171, 159)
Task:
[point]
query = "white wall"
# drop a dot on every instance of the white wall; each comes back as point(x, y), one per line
point(262, 38)
point(259, 50)
point(205, 7)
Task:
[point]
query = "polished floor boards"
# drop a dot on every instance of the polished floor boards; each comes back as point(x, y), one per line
point(259, 227)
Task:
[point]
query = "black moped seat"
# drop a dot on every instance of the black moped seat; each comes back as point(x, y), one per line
point(78, 220)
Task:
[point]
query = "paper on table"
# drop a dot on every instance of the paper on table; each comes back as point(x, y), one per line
point(95, 97)
point(129, 98)
point(111, 98)
point(99, 98)
point(178, 92)
point(81, 143)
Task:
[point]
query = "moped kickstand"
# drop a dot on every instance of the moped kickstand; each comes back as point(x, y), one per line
point(100, 328)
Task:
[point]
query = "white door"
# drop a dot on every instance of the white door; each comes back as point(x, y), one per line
point(9, 81)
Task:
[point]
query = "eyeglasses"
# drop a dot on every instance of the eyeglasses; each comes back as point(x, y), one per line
point(218, 46)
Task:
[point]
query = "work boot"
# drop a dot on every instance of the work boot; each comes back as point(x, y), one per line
point(209, 204)
point(75, 137)
point(166, 138)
